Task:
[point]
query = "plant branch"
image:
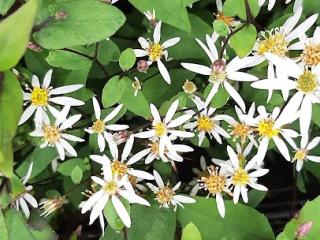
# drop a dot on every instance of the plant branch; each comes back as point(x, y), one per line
point(125, 233)
point(38, 27)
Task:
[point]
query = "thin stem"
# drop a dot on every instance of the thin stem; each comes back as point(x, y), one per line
point(41, 25)
point(125, 233)
point(79, 53)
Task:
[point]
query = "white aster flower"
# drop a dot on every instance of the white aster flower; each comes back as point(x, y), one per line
point(221, 73)
point(205, 123)
point(272, 127)
point(216, 184)
point(154, 50)
point(302, 153)
point(123, 166)
point(25, 197)
point(242, 177)
point(54, 134)
point(112, 188)
point(166, 196)
point(306, 84)
point(102, 128)
point(42, 96)
point(164, 129)
point(277, 42)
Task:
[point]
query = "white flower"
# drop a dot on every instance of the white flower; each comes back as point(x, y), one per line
point(271, 4)
point(220, 73)
point(112, 187)
point(306, 84)
point(205, 123)
point(54, 134)
point(161, 128)
point(123, 166)
point(242, 177)
point(41, 96)
point(216, 184)
point(277, 42)
point(271, 127)
point(154, 50)
point(100, 127)
point(169, 155)
point(302, 154)
point(25, 197)
point(200, 173)
point(166, 196)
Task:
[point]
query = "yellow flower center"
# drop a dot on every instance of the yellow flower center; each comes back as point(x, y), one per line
point(189, 87)
point(217, 76)
point(226, 19)
point(242, 160)
point(274, 43)
point(165, 195)
point(51, 134)
point(240, 177)
point(214, 183)
point(39, 96)
point(265, 128)
point(240, 130)
point(111, 187)
point(300, 155)
point(307, 82)
point(98, 126)
point(119, 168)
point(160, 129)
point(155, 51)
point(205, 124)
point(311, 54)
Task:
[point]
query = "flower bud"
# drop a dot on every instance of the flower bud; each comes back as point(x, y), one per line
point(60, 15)
point(51, 205)
point(304, 229)
point(218, 66)
point(142, 66)
point(189, 87)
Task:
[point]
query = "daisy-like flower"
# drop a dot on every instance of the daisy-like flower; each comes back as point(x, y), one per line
point(205, 123)
point(301, 154)
point(123, 166)
point(169, 155)
point(54, 135)
point(306, 84)
point(154, 50)
point(272, 127)
point(101, 128)
point(241, 129)
point(161, 128)
point(166, 196)
point(228, 20)
point(220, 73)
point(242, 177)
point(42, 96)
point(112, 188)
point(216, 184)
point(277, 42)
point(50, 205)
point(25, 197)
point(202, 172)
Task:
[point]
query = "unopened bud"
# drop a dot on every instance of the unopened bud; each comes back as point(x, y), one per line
point(60, 15)
point(218, 66)
point(142, 66)
point(151, 16)
point(303, 230)
point(34, 47)
point(189, 87)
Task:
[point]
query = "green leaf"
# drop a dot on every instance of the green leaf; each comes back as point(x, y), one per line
point(255, 197)
point(191, 232)
point(87, 21)
point(309, 212)
point(161, 223)
point(163, 9)
point(67, 60)
point(316, 114)
point(242, 42)
point(16, 186)
point(238, 8)
point(76, 174)
point(136, 104)
point(3, 228)
point(127, 59)
point(220, 27)
point(204, 215)
point(68, 166)
point(5, 6)
point(111, 215)
point(10, 95)
point(187, 3)
point(14, 34)
point(108, 52)
point(112, 91)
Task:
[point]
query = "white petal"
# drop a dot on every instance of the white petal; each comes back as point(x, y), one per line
point(262, 150)
point(258, 187)
point(138, 156)
point(127, 148)
point(68, 147)
point(313, 158)
point(60, 151)
point(24, 207)
point(212, 47)
point(244, 194)
point(117, 127)
point(302, 28)
point(235, 95)
point(101, 142)
point(292, 21)
point(207, 51)
point(181, 134)
point(113, 113)
point(282, 147)
point(274, 84)
point(158, 178)
point(47, 79)
point(157, 32)
point(259, 173)
point(121, 211)
point(211, 94)
point(197, 68)
point(98, 208)
point(66, 89)
point(164, 72)
point(171, 111)
point(98, 180)
point(30, 199)
point(184, 199)
point(71, 137)
point(96, 106)
point(241, 76)
point(35, 81)
point(140, 52)
point(66, 101)
point(155, 113)
point(220, 205)
point(143, 42)
point(171, 42)
point(27, 114)
point(28, 175)
point(146, 134)
point(141, 174)
point(233, 156)
point(313, 143)
point(236, 194)
point(70, 122)
point(91, 201)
